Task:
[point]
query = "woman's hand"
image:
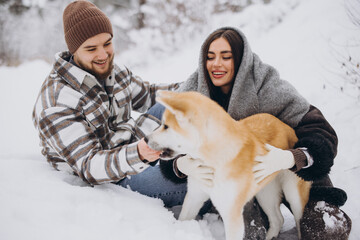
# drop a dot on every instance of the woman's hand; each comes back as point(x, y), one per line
point(196, 169)
point(275, 160)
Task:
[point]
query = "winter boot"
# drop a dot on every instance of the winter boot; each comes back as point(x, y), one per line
point(256, 221)
point(322, 220)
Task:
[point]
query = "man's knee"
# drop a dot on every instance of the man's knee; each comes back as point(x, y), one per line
point(157, 111)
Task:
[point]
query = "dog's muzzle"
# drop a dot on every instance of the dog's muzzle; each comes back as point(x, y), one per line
point(167, 153)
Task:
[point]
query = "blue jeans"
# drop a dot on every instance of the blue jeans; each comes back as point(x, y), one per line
point(157, 111)
point(151, 181)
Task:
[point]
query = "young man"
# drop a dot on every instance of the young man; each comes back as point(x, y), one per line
point(83, 112)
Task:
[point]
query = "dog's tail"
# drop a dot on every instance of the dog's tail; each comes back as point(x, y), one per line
point(332, 195)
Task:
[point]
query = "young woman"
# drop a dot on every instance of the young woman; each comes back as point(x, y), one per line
point(233, 76)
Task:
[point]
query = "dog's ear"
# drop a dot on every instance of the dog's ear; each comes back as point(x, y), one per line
point(173, 103)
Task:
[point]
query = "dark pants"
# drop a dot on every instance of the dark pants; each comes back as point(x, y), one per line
point(312, 224)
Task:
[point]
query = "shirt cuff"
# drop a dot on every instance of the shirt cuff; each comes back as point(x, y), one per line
point(310, 160)
point(133, 158)
point(300, 159)
point(176, 170)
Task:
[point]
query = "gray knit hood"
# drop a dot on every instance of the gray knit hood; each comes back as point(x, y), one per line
point(257, 89)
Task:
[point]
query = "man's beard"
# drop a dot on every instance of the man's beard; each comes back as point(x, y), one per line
point(98, 76)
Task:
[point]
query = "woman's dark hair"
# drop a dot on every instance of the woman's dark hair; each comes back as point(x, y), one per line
point(237, 47)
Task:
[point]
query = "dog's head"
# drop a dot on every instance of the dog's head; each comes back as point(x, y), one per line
point(186, 126)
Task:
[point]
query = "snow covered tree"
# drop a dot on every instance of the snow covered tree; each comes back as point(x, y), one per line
point(350, 64)
point(32, 29)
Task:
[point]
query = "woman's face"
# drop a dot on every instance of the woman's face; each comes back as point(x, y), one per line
point(220, 64)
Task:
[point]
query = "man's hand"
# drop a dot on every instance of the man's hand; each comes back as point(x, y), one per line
point(146, 153)
point(195, 168)
point(276, 159)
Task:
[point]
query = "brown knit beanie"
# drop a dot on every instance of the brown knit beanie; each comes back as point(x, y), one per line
point(83, 20)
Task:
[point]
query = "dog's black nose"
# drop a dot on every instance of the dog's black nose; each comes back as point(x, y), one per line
point(146, 139)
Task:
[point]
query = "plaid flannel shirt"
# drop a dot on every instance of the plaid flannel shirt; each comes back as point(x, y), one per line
point(89, 125)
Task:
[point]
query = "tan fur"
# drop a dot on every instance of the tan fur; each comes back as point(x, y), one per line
point(304, 188)
point(229, 147)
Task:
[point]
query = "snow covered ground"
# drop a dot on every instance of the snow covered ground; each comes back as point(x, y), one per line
point(301, 38)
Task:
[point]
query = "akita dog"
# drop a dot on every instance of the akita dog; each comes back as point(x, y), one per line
point(195, 125)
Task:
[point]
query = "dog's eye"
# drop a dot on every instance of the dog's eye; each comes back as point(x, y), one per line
point(165, 126)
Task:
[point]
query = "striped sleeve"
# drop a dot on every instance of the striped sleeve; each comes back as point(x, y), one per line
point(68, 133)
point(143, 93)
